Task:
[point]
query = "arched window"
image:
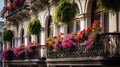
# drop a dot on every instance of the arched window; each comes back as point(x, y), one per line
point(49, 28)
point(29, 38)
point(38, 38)
point(74, 26)
point(13, 41)
point(118, 19)
point(98, 14)
point(22, 36)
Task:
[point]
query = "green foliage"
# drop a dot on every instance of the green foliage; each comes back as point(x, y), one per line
point(7, 35)
point(64, 12)
point(34, 26)
point(109, 5)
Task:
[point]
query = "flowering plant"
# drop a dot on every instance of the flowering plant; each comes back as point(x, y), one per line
point(84, 34)
point(54, 40)
point(29, 46)
point(5, 53)
point(87, 36)
point(12, 5)
point(19, 50)
point(62, 41)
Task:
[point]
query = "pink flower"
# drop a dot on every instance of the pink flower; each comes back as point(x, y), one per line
point(89, 41)
point(56, 44)
point(4, 52)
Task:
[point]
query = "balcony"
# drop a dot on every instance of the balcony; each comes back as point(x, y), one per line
point(17, 11)
point(106, 51)
point(32, 57)
point(54, 2)
point(38, 4)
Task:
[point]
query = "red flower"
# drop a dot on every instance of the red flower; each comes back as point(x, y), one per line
point(105, 39)
point(95, 22)
point(61, 33)
point(11, 5)
point(99, 29)
point(54, 37)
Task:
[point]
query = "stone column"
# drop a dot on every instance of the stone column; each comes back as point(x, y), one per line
point(43, 49)
point(26, 39)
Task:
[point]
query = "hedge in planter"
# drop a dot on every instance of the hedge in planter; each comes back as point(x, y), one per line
point(109, 5)
point(64, 12)
point(7, 35)
point(34, 26)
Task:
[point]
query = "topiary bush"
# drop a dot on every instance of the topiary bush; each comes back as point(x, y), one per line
point(34, 26)
point(7, 35)
point(64, 12)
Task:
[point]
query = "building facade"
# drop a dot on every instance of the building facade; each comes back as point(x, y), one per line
point(1, 24)
point(17, 19)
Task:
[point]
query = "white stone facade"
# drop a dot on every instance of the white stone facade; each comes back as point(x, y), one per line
point(84, 17)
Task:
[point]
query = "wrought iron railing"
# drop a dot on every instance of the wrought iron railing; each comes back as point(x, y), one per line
point(79, 50)
point(33, 54)
point(19, 7)
point(111, 42)
point(108, 45)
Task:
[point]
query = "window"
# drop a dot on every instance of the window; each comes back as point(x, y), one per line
point(75, 25)
point(29, 37)
point(38, 38)
point(70, 27)
point(22, 36)
point(119, 21)
point(100, 15)
point(49, 27)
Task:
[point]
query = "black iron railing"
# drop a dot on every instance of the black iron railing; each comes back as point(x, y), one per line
point(108, 45)
point(33, 54)
point(111, 42)
point(79, 50)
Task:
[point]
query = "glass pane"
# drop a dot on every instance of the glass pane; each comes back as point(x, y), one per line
point(106, 22)
point(70, 27)
point(78, 26)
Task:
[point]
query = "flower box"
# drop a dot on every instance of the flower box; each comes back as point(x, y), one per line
point(33, 53)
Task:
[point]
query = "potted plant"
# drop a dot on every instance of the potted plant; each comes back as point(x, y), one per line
point(7, 54)
point(34, 26)
point(19, 52)
point(32, 50)
point(7, 35)
point(64, 12)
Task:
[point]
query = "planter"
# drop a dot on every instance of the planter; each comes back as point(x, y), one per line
point(34, 53)
point(20, 57)
point(8, 55)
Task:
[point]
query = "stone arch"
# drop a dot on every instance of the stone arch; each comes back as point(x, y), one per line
point(22, 32)
point(89, 6)
point(89, 12)
point(47, 24)
point(79, 5)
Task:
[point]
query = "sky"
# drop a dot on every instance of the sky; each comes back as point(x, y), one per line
point(1, 6)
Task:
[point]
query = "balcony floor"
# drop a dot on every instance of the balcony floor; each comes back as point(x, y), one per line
point(83, 61)
point(24, 62)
